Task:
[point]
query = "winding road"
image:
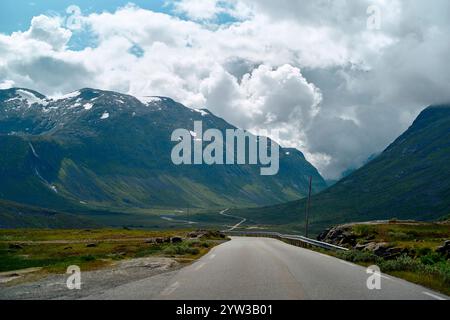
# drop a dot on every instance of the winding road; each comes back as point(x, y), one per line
point(261, 269)
point(229, 215)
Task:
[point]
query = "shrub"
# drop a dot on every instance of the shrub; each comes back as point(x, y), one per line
point(402, 263)
point(395, 236)
point(357, 256)
point(205, 244)
point(180, 249)
point(423, 251)
point(440, 270)
point(171, 251)
point(362, 230)
point(88, 258)
point(432, 258)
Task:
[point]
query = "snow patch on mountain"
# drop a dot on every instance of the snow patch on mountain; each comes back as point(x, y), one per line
point(104, 116)
point(201, 111)
point(148, 99)
point(30, 98)
point(66, 96)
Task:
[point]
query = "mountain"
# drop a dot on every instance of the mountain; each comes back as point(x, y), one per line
point(409, 180)
point(101, 149)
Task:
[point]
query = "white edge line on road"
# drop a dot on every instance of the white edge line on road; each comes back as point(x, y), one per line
point(347, 263)
point(326, 255)
point(392, 279)
point(355, 265)
point(386, 277)
point(201, 265)
point(170, 289)
point(358, 266)
point(433, 296)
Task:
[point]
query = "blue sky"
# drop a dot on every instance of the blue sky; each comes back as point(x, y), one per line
point(15, 15)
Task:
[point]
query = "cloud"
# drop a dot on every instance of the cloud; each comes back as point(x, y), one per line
point(7, 84)
point(265, 98)
point(209, 10)
point(198, 9)
point(48, 30)
point(311, 69)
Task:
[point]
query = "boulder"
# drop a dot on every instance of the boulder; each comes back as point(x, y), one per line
point(360, 246)
point(347, 238)
point(339, 235)
point(91, 245)
point(322, 236)
point(206, 234)
point(196, 234)
point(159, 240)
point(392, 253)
point(15, 246)
point(381, 249)
point(176, 239)
point(444, 249)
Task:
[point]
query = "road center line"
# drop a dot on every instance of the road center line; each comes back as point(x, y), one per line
point(171, 289)
point(433, 296)
point(201, 265)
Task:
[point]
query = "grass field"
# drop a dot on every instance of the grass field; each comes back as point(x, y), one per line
point(55, 250)
point(417, 260)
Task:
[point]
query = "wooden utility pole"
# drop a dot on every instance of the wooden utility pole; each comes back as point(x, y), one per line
point(308, 204)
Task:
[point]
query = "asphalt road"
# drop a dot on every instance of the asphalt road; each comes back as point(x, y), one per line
point(260, 268)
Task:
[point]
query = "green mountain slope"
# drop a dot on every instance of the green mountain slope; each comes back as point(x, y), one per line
point(96, 149)
point(409, 180)
point(14, 215)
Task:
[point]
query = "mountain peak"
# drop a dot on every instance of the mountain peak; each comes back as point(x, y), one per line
point(94, 144)
point(26, 96)
point(16, 91)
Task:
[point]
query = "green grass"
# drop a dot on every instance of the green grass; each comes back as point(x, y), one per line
point(413, 236)
point(82, 235)
point(420, 263)
point(427, 271)
point(55, 250)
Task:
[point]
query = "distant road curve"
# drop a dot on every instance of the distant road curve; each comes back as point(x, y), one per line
point(268, 269)
point(229, 215)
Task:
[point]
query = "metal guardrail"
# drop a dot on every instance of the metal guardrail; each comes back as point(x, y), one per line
point(296, 240)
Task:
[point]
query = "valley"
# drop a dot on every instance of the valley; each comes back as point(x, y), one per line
point(64, 155)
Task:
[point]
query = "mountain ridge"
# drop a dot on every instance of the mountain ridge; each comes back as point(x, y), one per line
point(105, 149)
